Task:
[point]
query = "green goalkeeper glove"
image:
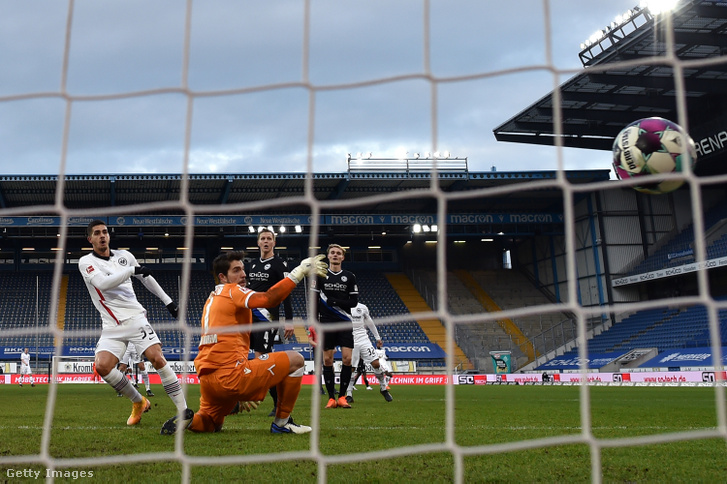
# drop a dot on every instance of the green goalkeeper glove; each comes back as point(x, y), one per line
point(310, 266)
point(247, 406)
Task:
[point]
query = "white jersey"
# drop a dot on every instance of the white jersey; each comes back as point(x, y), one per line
point(361, 319)
point(25, 359)
point(108, 280)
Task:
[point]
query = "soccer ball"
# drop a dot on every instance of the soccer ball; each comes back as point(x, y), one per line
point(649, 146)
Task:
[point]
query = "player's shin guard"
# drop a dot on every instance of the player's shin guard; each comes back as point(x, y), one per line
point(172, 387)
point(122, 385)
point(145, 379)
point(346, 371)
point(330, 380)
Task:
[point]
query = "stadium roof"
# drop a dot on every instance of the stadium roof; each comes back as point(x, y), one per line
point(598, 102)
point(38, 193)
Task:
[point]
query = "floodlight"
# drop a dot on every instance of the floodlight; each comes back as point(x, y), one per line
point(298, 229)
point(416, 228)
point(660, 6)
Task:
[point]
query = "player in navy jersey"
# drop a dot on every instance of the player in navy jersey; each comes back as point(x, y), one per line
point(337, 294)
point(262, 274)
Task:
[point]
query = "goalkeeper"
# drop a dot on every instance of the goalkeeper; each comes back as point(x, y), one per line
point(226, 375)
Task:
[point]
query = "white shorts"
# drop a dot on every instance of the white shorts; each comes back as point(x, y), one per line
point(25, 370)
point(364, 350)
point(135, 331)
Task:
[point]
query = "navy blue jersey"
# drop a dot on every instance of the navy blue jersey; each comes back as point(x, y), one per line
point(264, 274)
point(336, 296)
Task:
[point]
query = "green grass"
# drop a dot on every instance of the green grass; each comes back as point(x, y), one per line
point(91, 421)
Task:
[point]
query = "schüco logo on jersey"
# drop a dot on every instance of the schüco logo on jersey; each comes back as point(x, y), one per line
point(258, 276)
point(334, 286)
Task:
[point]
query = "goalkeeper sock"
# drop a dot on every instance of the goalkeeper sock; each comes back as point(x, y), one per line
point(121, 384)
point(172, 387)
point(330, 381)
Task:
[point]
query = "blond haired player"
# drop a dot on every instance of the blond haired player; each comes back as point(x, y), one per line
point(226, 376)
point(337, 295)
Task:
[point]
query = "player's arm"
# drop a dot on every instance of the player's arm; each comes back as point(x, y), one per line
point(372, 326)
point(102, 282)
point(276, 294)
point(344, 303)
point(289, 328)
point(153, 287)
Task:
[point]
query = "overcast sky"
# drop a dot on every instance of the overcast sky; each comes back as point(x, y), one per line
point(130, 46)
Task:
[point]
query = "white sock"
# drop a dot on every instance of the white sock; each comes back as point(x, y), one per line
point(122, 385)
point(380, 376)
point(145, 379)
point(172, 387)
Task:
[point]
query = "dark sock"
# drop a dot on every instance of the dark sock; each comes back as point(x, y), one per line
point(274, 395)
point(345, 379)
point(330, 380)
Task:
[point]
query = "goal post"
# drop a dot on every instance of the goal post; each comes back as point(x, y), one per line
point(73, 369)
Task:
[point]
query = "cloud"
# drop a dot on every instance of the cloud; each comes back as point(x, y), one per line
point(253, 48)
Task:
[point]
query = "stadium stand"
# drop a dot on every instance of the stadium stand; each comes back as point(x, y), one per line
point(681, 243)
point(660, 328)
point(25, 304)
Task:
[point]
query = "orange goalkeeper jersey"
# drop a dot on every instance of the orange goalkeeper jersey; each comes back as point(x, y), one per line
point(230, 305)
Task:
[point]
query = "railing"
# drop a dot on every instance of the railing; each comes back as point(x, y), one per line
point(407, 165)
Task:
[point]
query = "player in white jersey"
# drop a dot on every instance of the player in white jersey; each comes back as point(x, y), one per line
point(25, 368)
point(130, 360)
point(107, 275)
point(363, 349)
point(385, 365)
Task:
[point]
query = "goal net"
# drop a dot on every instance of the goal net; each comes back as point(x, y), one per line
point(73, 369)
point(282, 79)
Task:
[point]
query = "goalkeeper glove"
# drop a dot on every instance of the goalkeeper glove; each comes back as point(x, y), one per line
point(142, 270)
point(312, 266)
point(247, 406)
point(173, 309)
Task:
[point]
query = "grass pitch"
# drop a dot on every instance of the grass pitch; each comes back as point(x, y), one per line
point(501, 434)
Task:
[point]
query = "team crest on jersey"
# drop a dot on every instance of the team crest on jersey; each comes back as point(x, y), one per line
point(263, 357)
point(122, 261)
point(344, 278)
point(267, 266)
